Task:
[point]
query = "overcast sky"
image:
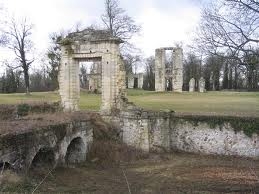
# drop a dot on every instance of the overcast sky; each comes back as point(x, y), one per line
point(163, 22)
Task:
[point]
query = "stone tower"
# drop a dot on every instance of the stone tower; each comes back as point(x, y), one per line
point(175, 73)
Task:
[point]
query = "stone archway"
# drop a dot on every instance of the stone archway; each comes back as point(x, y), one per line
point(5, 166)
point(92, 45)
point(44, 159)
point(76, 151)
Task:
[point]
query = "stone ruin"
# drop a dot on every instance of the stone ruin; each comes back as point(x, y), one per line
point(99, 46)
point(135, 80)
point(94, 78)
point(145, 130)
point(202, 85)
point(192, 85)
point(94, 46)
point(173, 74)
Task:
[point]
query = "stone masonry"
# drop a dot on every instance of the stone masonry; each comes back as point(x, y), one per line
point(202, 85)
point(140, 80)
point(167, 131)
point(130, 81)
point(192, 85)
point(139, 77)
point(91, 45)
point(176, 73)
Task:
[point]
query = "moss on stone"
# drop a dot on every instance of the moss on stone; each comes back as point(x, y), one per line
point(249, 125)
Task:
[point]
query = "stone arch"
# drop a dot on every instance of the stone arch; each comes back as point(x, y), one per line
point(43, 159)
point(5, 166)
point(76, 151)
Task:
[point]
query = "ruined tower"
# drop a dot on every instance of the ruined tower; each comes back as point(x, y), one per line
point(172, 74)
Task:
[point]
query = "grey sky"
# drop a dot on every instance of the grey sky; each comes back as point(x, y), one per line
point(164, 22)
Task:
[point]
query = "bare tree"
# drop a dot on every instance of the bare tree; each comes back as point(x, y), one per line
point(231, 28)
point(17, 37)
point(118, 22)
point(131, 63)
point(230, 25)
point(54, 57)
point(149, 77)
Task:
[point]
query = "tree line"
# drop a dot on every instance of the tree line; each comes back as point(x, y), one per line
point(225, 51)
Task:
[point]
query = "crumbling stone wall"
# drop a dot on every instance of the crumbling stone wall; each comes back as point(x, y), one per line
point(176, 73)
point(163, 131)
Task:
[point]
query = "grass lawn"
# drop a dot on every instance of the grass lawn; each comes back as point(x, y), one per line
point(220, 103)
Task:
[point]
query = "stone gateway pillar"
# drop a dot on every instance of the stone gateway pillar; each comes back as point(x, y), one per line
point(92, 45)
point(192, 85)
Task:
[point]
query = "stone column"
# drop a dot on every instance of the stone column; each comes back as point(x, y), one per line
point(108, 67)
point(130, 81)
point(160, 70)
point(202, 85)
point(69, 81)
point(112, 76)
point(192, 85)
point(178, 70)
point(140, 80)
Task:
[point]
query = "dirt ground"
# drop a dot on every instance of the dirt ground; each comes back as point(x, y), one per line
point(174, 173)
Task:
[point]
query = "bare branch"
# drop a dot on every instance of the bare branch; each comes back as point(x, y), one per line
point(17, 36)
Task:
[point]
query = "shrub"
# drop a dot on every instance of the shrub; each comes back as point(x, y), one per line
point(23, 109)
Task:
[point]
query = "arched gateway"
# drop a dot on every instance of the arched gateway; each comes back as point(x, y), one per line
point(92, 45)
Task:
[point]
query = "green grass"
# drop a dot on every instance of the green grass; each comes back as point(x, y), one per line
point(227, 103)
point(220, 103)
point(18, 98)
point(89, 101)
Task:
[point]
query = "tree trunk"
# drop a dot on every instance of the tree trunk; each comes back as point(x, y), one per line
point(27, 80)
point(236, 78)
point(225, 78)
point(230, 81)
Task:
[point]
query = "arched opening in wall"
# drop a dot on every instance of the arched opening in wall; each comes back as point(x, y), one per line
point(43, 160)
point(76, 151)
point(5, 166)
point(169, 84)
point(90, 80)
